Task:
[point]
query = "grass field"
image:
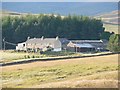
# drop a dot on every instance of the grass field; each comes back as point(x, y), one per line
point(111, 28)
point(10, 55)
point(89, 72)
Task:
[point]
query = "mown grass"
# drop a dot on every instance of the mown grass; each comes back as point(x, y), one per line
point(60, 72)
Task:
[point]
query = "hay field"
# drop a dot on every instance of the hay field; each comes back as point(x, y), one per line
point(89, 72)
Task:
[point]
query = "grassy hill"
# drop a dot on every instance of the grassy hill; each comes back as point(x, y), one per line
point(7, 13)
point(110, 21)
point(110, 17)
point(111, 28)
point(63, 8)
point(92, 72)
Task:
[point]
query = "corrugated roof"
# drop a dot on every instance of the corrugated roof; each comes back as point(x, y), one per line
point(96, 41)
point(84, 45)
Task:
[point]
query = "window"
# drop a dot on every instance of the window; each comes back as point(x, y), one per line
point(23, 45)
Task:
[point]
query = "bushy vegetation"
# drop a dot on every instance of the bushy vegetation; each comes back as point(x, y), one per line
point(61, 53)
point(114, 43)
point(17, 29)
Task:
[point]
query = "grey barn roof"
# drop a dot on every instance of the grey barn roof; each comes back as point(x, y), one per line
point(84, 45)
point(95, 43)
point(89, 41)
point(39, 40)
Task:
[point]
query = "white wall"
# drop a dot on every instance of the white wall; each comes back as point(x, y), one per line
point(20, 46)
point(57, 49)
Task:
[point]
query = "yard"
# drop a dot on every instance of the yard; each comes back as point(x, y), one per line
point(100, 71)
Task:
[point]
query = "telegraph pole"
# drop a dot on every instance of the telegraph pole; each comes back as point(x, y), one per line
point(76, 48)
point(4, 44)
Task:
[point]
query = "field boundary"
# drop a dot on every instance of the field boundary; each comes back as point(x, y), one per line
point(51, 59)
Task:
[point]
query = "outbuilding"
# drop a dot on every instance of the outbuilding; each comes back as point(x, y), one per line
point(80, 47)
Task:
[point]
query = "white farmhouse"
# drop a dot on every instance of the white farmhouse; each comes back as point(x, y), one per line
point(40, 44)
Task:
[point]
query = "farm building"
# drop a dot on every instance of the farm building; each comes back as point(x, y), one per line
point(64, 43)
point(40, 44)
point(87, 45)
point(80, 47)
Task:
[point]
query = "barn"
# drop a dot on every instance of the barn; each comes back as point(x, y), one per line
point(87, 45)
point(80, 47)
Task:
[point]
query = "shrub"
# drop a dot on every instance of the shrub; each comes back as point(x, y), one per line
point(25, 57)
point(28, 56)
point(114, 43)
point(33, 56)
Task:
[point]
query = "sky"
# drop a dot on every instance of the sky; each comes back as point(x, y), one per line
point(60, 0)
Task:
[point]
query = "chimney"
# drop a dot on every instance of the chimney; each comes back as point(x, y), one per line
point(42, 37)
point(28, 38)
point(57, 38)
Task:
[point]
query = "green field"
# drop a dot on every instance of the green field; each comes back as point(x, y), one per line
point(95, 72)
point(111, 28)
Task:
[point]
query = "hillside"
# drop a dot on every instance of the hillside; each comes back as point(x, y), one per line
point(6, 13)
point(110, 17)
point(110, 21)
point(62, 8)
point(111, 28)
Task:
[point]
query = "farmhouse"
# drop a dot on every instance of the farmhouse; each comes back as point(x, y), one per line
point(87, 45)
point(40, 44)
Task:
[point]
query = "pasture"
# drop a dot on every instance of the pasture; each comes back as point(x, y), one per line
point(100, 71)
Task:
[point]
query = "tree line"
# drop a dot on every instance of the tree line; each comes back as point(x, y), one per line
point(16, 29)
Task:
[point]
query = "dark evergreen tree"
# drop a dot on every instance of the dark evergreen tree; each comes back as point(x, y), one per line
point(17, 29)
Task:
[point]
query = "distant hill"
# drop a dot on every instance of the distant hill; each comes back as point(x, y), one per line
point(63, 8)
point(110, 17)
point(110, 21)
point(6, 13)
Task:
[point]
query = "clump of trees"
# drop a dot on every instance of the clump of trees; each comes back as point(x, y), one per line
point(17, 29)
point(114, 43)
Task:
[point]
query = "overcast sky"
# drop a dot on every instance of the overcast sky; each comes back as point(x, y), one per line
point(60, 0)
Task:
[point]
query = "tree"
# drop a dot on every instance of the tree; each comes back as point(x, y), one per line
point(17, 29)
point(106, 35)
point(114, 43)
